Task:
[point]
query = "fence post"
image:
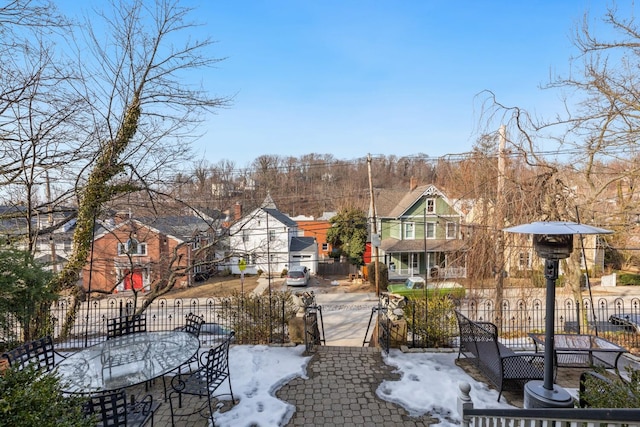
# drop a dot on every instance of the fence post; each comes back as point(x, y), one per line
point(464, 401)
point(578, 302)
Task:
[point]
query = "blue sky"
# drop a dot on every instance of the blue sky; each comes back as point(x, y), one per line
point(382, 77)
point(350, 78)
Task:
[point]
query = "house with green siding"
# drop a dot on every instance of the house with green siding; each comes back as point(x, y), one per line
point(421, 233)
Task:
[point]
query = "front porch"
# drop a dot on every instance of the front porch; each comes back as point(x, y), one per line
point(435, 273)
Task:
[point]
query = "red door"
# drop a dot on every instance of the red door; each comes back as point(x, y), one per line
point(133, 280)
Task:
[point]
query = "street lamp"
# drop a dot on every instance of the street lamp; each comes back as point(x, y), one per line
point(553, 241)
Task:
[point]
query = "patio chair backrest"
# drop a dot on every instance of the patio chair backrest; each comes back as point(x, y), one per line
point(126, 325)
point(112, 409)
point(39, 352)
point(216, 362)
point(193, 324)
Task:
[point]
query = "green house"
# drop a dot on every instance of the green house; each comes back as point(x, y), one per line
point(420, 234)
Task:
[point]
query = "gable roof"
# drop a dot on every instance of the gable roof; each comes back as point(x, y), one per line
point(178, 227)
point(284, 219)
point(396, 204)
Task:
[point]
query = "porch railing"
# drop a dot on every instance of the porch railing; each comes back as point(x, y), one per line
point(570, 417)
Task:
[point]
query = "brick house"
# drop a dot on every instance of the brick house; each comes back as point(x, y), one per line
point(135, 253)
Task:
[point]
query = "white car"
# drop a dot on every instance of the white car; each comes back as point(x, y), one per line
point(297, 276)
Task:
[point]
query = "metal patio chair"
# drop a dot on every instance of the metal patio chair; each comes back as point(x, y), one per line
point(39, 352)
point(205, 380)
point(112, 409)
point(126, 325)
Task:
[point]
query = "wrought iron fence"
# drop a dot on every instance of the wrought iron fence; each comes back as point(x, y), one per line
point(254, 320)
point(263, 321)
point(617, 319)
point(313, 327)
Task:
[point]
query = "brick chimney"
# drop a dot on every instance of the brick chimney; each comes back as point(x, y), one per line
point(413, 183)
point(237, 211)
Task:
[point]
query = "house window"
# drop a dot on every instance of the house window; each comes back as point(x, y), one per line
point(197, 242)
point(431, 205)
point(409, 230)
point(524, 261)
point(132, 247)
point(272, 235)
point(325, 247)
point(452, 230)
point(245, 236)
point(430, 231)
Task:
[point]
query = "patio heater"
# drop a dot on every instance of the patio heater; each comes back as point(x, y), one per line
point(553, 241)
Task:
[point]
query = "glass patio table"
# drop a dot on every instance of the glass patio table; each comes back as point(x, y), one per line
point(126, 361)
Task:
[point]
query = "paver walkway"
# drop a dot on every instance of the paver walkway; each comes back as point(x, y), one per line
point(341, 391)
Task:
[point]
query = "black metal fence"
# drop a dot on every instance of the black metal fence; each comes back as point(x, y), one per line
point(265, 320)
point(255, 320)
point(313, 327)
point(612, 318)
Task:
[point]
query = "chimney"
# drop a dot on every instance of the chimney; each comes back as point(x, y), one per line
point(237, 211)
point(413, 183)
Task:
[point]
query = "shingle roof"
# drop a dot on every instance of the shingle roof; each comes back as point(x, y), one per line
point(275, 213)
point(302, 244)
point(178, 226)
point(433, 245)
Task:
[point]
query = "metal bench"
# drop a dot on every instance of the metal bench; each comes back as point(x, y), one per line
point(504, 368)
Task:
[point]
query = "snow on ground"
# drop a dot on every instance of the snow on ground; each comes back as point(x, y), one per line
point(257, 372)
point(429, 382)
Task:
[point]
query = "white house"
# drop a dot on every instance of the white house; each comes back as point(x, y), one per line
point(269, 241)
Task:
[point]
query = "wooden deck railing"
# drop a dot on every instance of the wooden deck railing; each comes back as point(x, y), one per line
point(541, 417)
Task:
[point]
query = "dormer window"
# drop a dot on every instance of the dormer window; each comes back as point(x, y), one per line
point(132, 247)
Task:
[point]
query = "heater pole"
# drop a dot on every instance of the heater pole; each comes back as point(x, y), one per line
point(551, 274)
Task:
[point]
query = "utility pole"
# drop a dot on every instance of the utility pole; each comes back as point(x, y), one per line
point(500, 209)
point(52, 243)
point(374, 228)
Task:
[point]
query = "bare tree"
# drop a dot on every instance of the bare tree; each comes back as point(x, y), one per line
point(140, 112)
point(36, 116)
point(597, 133)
